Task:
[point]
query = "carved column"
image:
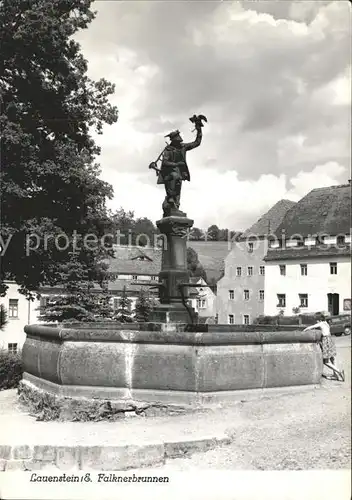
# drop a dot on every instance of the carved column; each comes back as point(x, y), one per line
point(173, 270)
point(174, 263)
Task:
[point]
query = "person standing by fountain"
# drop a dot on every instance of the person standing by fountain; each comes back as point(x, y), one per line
point(327, 345)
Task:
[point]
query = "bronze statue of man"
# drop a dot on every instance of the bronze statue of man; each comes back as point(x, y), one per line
point(174, 167)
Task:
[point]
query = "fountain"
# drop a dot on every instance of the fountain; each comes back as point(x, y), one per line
point(170, 360)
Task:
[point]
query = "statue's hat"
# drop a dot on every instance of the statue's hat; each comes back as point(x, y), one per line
point(173, 134)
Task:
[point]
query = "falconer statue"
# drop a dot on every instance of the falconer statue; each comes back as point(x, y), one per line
point(174, 168)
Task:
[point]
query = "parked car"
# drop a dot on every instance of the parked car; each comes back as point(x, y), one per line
point(340, 324)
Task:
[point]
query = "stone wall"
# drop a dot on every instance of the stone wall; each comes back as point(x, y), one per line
point(122, 363)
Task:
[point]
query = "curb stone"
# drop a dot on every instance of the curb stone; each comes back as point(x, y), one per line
point(124, 457)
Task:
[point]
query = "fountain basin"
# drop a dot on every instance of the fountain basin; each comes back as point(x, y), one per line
point(146, 364)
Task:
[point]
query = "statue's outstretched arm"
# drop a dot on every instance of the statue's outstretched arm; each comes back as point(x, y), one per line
point(191, 145)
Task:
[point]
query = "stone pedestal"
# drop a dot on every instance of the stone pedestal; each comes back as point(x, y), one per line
point(174, 271)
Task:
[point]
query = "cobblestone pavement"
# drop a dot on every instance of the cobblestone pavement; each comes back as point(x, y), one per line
point(293, 432)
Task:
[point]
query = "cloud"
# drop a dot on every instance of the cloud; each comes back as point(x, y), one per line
point(273, 79)
point(321, 176)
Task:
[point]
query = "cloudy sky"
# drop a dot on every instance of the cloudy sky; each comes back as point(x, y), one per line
point(273, 78)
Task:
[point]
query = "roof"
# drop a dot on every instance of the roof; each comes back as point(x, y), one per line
point(133, 287)
point(211, 255)
point(322, 211)
point(135, 260)
point(307, 252)
point(269, 222)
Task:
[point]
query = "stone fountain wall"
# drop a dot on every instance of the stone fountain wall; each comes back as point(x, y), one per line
point(133, 363)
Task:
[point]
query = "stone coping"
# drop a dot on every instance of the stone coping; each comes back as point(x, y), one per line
point(94, 333)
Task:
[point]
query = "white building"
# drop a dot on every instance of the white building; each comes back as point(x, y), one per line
point(132, 268)
point(241, 291)
point(20, 312)
point(308, 264)
point(202, 299)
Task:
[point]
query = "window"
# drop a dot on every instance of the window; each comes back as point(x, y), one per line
point(13, 308)
point(282, 270)
point(304, 270)
point(262, 270)
point(333, 267)
point(246, 294)
point(281, 297)
point(231, 319)
point(261, 294)
point(250, 247)
point(12, 348)
point(246, 319)
point(239, 271)
point(201, 303)
point(250, 271)
point(135, 277)
point(216, 318)
point(154, 278)
point(346, 304)
point(43, 302)
point(303, 300)
point(231, 294)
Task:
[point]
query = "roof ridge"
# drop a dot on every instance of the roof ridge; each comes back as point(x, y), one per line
point(335, 186)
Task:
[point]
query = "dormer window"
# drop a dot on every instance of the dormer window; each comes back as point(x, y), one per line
point(298, 241)
point(142, 258)
point(319, 240)
point(341, 239)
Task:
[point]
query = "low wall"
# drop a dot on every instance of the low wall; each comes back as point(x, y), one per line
point(122, 363)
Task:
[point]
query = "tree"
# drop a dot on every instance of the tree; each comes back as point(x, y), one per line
point(132, 231)
point(3, 317)
point(143, 307)
point(196, 234)
point(49, 108)
point(122, 222)
point(223, 234)
point(79, 299)
point(194, 266)
point(144, 232)
point(213, 233)
point(123, 313)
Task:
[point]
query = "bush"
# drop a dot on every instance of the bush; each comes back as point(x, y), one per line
point(289, 320)
point(277, 320)
point(11, 369)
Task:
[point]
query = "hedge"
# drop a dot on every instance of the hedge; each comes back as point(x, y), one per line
point(11, 369)
point(302, 319)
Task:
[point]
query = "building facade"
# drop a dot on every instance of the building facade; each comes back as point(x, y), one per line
point(241, 291)
point(20, 312)
point(308, 285)
point(131, 268)
point(308, 264)
point(202, 299)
